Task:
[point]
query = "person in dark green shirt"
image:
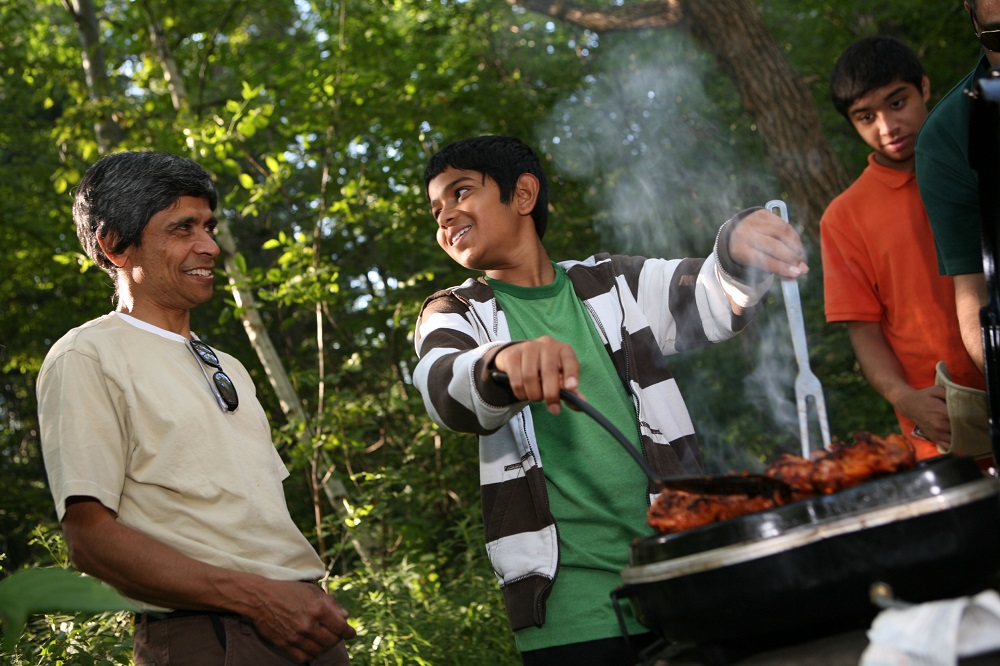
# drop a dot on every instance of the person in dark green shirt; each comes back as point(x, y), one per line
point(949, 186)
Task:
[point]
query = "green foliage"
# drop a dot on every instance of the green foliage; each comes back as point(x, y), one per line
point(51, 589)
point(52, 615)
point(413, 611)
point(75, 640)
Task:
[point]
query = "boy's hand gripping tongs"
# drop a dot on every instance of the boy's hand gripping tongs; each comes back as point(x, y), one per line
point(807, 384)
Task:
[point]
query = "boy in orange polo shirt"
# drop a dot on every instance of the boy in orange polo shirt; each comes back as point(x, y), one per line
point(879, 262)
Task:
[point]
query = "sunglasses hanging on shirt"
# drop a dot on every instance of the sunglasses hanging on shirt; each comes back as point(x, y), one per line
point(222, 385)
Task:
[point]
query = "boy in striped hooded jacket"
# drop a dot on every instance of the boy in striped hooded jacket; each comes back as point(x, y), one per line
point(558, 531)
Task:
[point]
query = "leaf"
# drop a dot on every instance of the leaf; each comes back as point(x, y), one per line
point(246, 180)
point(52, 590)
point(241, 263)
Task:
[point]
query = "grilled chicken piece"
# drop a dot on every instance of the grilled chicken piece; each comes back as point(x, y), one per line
point(846, 465)
point(676, 510)
point(868, 457)
point(796, 471)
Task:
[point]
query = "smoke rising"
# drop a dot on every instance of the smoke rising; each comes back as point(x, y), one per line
point(667, 165)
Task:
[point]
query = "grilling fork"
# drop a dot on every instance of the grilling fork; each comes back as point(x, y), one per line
point(807, 384)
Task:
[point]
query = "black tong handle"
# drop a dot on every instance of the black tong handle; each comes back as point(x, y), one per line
point(754, 485)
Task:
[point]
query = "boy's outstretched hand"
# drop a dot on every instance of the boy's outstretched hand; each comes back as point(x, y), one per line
point(764, 241)
point(538, 369)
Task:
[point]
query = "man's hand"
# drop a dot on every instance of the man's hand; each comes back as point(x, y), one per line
point(538, 369)
point(764, 241)
point(929, 411)
point(299, 618)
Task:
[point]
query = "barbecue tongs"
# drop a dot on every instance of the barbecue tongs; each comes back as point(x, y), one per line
point(754, 485)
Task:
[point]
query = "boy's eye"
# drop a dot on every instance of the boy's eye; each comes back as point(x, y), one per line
point(460, 192)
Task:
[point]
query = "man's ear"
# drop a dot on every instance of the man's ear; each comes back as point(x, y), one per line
point(107, 243)
point(526, 193)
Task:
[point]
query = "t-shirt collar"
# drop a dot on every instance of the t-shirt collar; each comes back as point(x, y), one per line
point(146, 326)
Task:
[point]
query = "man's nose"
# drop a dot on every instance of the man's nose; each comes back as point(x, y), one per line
point(208, 245)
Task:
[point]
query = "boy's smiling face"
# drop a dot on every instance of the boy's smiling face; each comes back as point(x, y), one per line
point(474, 228)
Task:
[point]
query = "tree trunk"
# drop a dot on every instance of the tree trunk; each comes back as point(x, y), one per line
point(165, 56)
point(107, 131)
point(779, 101)
point(771, 92)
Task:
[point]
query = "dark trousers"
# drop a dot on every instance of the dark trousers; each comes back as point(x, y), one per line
point(606, 652)
point(211, 639)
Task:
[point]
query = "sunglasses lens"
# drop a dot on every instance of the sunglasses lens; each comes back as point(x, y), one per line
point(990, 39)
point(226, 390)
point(206, 354)
point(223, 384)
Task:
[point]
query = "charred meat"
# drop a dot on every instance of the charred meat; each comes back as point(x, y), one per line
point(845, 465)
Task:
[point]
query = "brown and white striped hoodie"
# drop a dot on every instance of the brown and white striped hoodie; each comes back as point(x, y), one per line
point(645, 310)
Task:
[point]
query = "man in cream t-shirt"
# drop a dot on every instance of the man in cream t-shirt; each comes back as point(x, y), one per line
point(159, 456)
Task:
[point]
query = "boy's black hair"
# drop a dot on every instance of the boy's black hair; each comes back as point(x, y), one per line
point(870, 63)
point(121, 192)
point(501, 158)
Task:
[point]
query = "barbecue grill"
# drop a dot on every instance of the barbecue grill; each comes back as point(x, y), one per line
point(806, 570)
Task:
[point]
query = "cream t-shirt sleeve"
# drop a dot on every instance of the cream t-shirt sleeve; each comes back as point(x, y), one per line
point(81, 416)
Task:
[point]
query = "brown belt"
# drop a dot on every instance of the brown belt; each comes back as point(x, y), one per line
point(173, 615)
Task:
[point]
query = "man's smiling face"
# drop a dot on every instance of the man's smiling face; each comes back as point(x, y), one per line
point(172, 269)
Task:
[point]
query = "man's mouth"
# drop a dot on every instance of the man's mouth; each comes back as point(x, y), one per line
point(199, 272)
point(457, 237)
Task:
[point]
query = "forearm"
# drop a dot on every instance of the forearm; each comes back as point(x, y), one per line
point(457, 392)
point(879, 364)
point(297, 617)
point(970, 297)
point(149, 571)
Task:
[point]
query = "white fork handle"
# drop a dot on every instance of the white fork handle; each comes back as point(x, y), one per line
point(806, 383)
point(793, 304)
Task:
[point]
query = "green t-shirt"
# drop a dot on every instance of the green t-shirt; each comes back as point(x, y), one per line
point(597, 493)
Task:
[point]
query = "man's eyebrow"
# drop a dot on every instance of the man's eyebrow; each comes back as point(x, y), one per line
point(190, 219)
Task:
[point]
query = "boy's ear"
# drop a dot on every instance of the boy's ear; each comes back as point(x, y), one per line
point(526, 193)
point(925, 85)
